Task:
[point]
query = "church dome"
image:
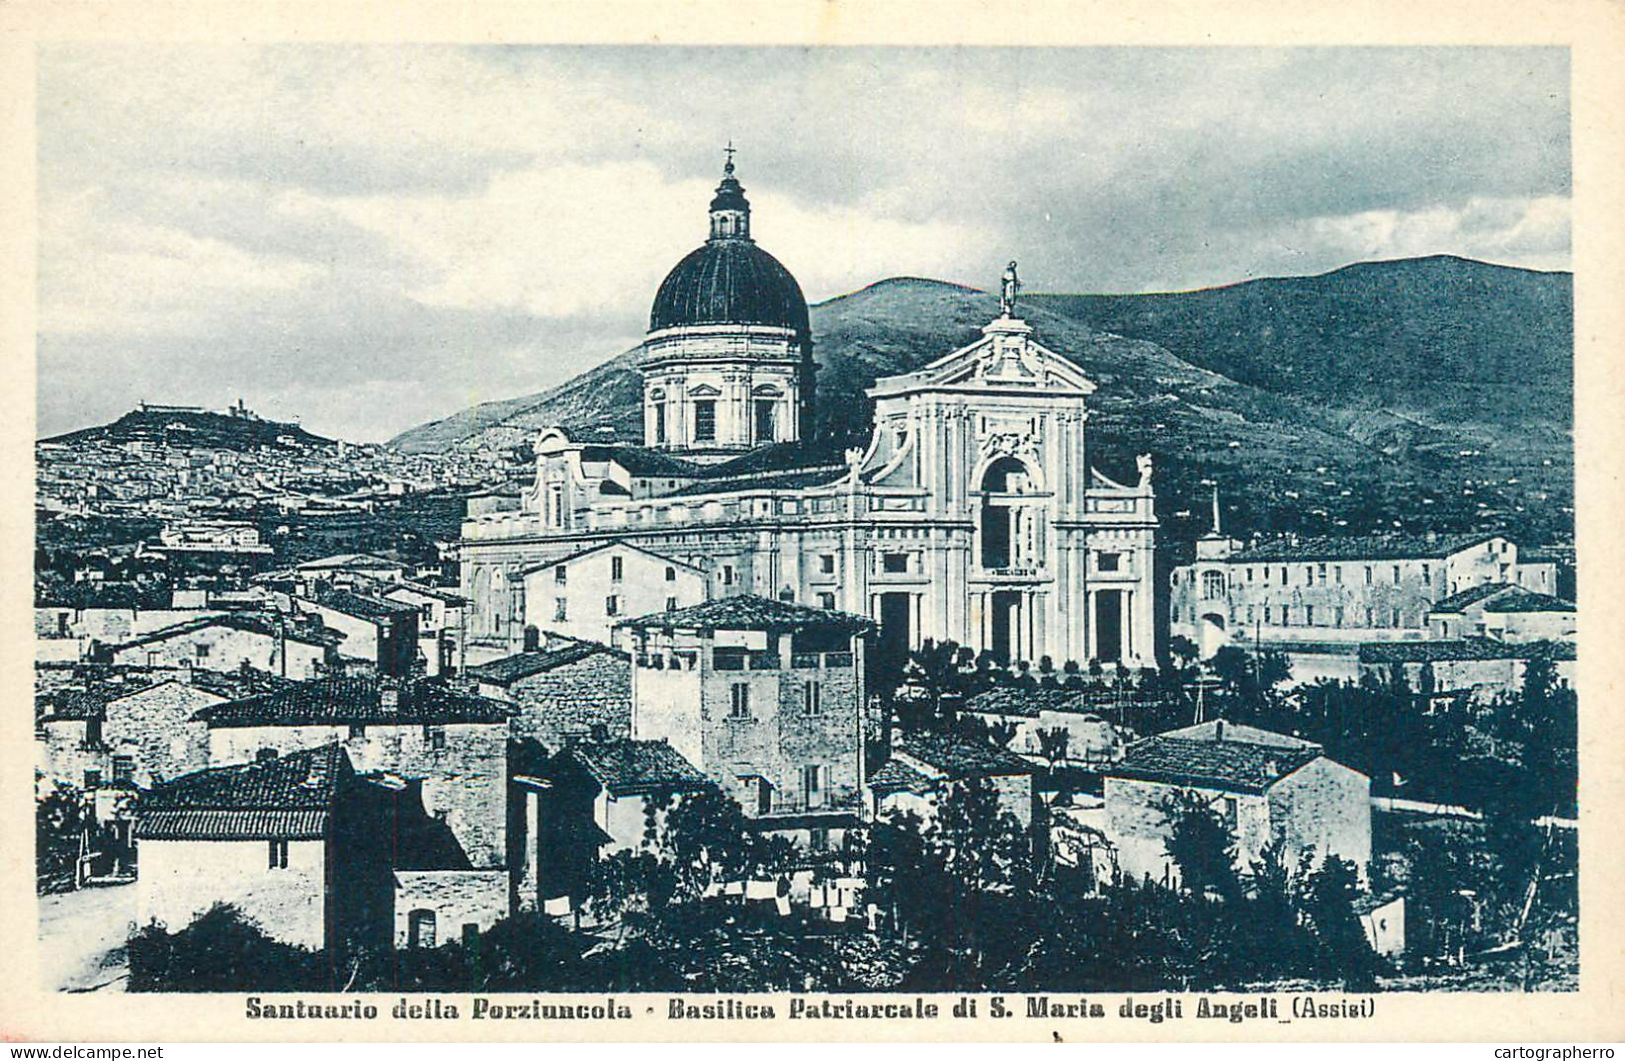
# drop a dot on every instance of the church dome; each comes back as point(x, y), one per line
point(730, 280)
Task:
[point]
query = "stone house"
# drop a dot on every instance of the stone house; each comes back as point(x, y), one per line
point(595, 799)
point(383, 633)
point(261, 836)
point(440, 623)
point(926, 765)
point(764, 696)
point(141, 732)
point(228, 642)
point(565, 691)
point(451, 745)
point(1503, 612)
point(583, 595)
point(1478, 668)
point(1267, 788)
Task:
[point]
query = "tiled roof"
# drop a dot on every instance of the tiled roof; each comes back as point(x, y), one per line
point(600, 547)
point(75, 705)
point(959, 757)
point(449, 596)
point(289, 798)
point(349, 562)
point(1468, 597)
point(1223, 764)
point(641, 461)
point(1462, 649)
point(510, 669)
point(1374, 547)
point(747, 611)
point(1010, 700)
point(361, 607)
point(895, 776)
point(1523, 600)
point(636, 767)
point(247, 622)
point(784, 479)
point(356, 701)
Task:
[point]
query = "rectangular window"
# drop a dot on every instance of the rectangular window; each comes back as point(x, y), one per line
point(739, 700)
point(1108, 561)
point(764, 421)
point(559, 575)
point(1229, 813)
point(826, 564)
point(1283, 576)
point(616, 568)
point(202, 651)
point(705, 420)
point(1395, 618)
point(612, 605)
point(826, 601)
point(1320, 573)
point(1249, 574)
point(1308, 575)
point(1286, 615)
point(894, 563)
point(727, 574)
point(1249, 613)
point(812, 785)
point(812, 702)
point(1339, 616)
point(277, 854)
point(561, 608)
point(1427, 575)
point(1368, 575)
point(671, 604)
point(93, 779)
point(1396, 574)
point(671, 574)
point(123, 768)
point(434, 737)
point(1370, 617)
point(1337, 574)
point(1309, 615)
point(660, 422)
point(357, 731)
point(1268, 619)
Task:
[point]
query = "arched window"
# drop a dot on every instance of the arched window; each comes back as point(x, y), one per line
point(1004, 476)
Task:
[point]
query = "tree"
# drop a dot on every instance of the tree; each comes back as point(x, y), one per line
point(1327, 903)
point(703, 840)
point(1052, 744)
point(1183, 651)
point(1201, 843)
point(60, 823)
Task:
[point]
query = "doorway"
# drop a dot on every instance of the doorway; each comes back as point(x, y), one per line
point(1006, 625)
point(1108, 625)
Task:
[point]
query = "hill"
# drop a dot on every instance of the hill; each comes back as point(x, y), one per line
point(1349, 402)
point(195, 427)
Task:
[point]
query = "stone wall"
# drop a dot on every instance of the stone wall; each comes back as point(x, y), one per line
point(155, 728)
point(1325, 806)
point(181, 879)
point(1138, 827)
point(570, 700)
point(458, 898)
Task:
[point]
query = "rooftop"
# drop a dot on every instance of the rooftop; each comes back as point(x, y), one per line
point(1234, 765)
point(750, 612)
point(1518, 599)
point(509, 669)
point(958, 757)
point(288, 798)
point(1468, 597)
point(363, 607)
point(356, 701)
point(1374, 547)
point(351, 562)
point(635, 767)
point(1463, 649)
point(247, 622)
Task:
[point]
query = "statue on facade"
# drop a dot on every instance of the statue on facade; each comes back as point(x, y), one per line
point(1143, 462)
point(1007, 291)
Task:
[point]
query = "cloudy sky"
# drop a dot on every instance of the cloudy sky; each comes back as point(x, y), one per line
point(366, 238)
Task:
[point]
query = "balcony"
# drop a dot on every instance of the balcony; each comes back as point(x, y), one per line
point(814, 660)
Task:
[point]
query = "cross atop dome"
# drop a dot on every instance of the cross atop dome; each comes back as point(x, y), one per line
point(730, 210)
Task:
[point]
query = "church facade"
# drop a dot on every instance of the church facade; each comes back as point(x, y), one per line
point(972, 515)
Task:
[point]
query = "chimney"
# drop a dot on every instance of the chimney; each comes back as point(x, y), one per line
point(1218, 730)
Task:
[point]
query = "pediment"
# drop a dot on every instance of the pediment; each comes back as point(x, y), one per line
point(1008, 359)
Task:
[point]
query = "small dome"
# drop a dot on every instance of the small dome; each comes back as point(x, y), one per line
point(730, 281)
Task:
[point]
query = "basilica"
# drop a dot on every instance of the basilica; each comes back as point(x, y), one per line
point(971, 515)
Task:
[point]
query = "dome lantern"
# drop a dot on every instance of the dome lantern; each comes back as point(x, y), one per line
point(730, 210)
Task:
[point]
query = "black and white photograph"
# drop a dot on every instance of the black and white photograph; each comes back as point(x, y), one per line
point(714, 529)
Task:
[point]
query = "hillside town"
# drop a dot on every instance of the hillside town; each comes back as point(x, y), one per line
point(728, 708)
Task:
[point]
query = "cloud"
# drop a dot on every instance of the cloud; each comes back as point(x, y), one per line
point(377, 235)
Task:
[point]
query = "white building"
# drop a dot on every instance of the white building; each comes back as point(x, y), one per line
point(582, 596)
point(972, 515)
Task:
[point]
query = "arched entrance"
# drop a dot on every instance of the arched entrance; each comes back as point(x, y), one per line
point(1211, 634)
